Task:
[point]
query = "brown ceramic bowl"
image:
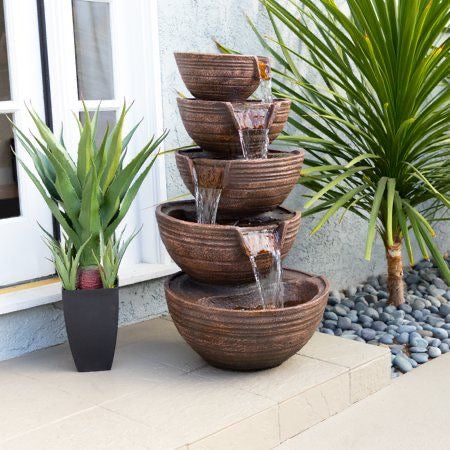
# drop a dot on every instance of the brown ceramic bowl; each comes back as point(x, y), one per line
point(220, 77)
point(248, 186)
point(229, 337)
point(215, 253)
point(211, 125)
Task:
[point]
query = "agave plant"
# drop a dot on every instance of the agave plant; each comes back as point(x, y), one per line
point(88, 197)
point(373, 115)
point(66, 259)
point(111, 254)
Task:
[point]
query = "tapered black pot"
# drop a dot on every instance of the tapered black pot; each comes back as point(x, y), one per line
point(91, 317)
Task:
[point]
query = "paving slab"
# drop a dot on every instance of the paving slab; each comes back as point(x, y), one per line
point(410, 414)
point(160, 394)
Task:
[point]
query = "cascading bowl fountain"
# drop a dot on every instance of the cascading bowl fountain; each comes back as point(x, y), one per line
point(233, 302)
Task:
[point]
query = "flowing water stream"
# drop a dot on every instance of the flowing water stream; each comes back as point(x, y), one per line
point(206, 201)
point(269, 287)
point(252, 121)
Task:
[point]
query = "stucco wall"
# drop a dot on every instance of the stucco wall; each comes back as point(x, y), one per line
point(336, 251)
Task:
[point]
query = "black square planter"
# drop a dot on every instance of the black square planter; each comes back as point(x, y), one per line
point(91, 317)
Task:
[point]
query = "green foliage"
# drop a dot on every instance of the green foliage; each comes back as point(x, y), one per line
point(66, 259)
point(89, 196)
point(111, 254)
point(375, 99)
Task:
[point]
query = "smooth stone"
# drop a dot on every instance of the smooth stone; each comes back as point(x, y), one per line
point(434, 352)
point(440, 283)
point(390, 309)
point(348, 303)
point(418, 349)
point(412, 278)
point(349, 336)
point(440, 333)
point(360, 306)
point(426, 333)
point(368, 334)
point(370, 289)
point(333, 301)
point(351, 291)
point(372, 313)
point(406, 328)
point(340, 310)
point(419, 357)
point(385, 317)
point(378, 325)
point(444, 348)
point(331, 324)
point(435, 342)
point(382, 294)
point(366, 319)
point(418, 304)
point(434, 301)
point(428, 327)
point(402, 363)
point(417, 315)
point(345, 323)
point(447, 318)
point(418, 342)
point(403, 338)
point(413, 363)
point(446, 326)
point(387, 339)
point(357, 327)
point(327, 331)
point(398, 314)
point(338, 332)
point(444, 310)
point(405, 307)
point(331, 315)
point(370, 298)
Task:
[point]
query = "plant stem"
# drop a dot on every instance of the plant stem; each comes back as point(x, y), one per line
point(89, 278)
point(395, 273)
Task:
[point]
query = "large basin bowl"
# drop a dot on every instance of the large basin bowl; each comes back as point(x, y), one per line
point(215, 253)
point(220, 77)
point(211, 125)
point(215, 323)
point(248, 186)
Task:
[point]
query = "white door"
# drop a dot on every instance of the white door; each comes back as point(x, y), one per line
point(22, 251)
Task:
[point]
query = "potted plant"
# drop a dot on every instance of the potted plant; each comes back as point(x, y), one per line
point(372, 111)
point(89, 198)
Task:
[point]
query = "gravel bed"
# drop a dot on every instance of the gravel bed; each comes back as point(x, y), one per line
point(415, 332)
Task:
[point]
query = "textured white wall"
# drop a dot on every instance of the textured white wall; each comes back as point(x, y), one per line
point(336, 251)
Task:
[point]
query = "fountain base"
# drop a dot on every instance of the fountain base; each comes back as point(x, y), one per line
point(226, 326)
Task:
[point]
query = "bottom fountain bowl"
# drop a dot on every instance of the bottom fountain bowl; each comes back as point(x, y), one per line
point(226, 326)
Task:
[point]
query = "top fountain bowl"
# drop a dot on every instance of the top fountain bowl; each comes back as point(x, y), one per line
point(220, 76)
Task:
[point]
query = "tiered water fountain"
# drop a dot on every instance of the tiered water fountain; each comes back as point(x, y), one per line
point(233, 302)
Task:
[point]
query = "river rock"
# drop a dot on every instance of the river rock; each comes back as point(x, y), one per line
point(440, 333)
point(434, 352)
point(402, 363)
point(420, 357)
point(368, 334)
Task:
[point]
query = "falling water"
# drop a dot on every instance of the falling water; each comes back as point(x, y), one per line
point(269, 287)
point(206, 201)
point(265, 86)
point(252, 120)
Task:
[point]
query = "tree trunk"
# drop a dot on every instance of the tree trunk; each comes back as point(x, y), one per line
point(395, 274)
point(89, 278)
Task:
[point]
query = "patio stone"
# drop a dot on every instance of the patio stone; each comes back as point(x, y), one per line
point(161, 394)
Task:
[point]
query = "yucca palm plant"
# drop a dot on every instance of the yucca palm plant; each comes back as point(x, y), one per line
point(373, 115)
point(89, 196)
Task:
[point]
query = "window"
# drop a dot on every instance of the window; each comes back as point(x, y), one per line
point(94, 56)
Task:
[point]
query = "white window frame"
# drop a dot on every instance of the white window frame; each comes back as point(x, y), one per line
point(138, 25)
point(135, 49)
point(22, 252)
